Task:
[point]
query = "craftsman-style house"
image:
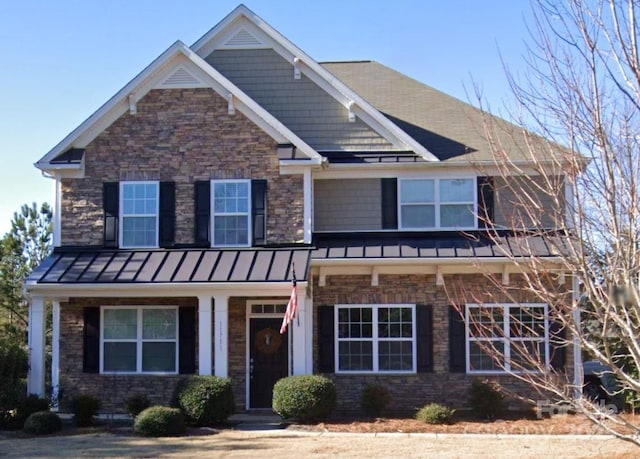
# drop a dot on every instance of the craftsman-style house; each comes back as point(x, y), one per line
point(184, 205)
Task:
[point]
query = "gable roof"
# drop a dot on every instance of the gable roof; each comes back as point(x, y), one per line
point(242, 18)
point(176, 57)
point(451, 129)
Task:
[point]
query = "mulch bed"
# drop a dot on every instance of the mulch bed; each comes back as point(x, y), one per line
point(516, 423)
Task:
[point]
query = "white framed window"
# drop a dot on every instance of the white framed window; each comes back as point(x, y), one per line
point(437, 203)
point(506, 337)
point(375, 338)
point(139, 339)
point(139, 208)
point(231, 213)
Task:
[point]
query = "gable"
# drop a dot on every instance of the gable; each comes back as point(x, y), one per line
point(300, 104)
point(177, 67)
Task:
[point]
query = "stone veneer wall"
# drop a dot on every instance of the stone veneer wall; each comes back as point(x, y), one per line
point(181, 135)
point(415, 390)
point(110, 389)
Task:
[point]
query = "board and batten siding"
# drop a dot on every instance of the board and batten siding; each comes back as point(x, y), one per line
point(301, 105)
point(345, 205)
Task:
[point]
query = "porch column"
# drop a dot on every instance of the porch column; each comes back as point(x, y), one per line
point(221, 347)
point(204, 334)
point(55, 353)
point(37, 316)
point(299, 328)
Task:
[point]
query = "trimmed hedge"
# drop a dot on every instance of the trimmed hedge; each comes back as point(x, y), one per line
point(42, 423)
point(485, 399)
point(305, 397)
point(160, 421)
point(375, 399)
point(136, 403)
point(84, 408)
point(434, 413)
point(205, 400)
point(14, 365)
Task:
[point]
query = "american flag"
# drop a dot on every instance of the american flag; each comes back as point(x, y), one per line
point(292, 308)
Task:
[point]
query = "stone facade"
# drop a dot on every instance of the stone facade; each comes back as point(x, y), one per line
point(110, 389)
point(181, 135)
point(411, 391)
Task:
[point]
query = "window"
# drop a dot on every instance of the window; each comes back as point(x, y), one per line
point(506, 338)
point(375, 338)
point(139, 339)
point(139, 216)
point(231, 212)
point(437, 203)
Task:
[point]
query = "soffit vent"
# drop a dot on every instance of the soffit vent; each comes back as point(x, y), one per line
point(181, 78)
point(243, 39)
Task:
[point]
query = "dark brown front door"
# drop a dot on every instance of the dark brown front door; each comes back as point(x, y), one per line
point(268, 360)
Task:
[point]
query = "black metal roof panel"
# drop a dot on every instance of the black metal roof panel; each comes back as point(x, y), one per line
point(99, 266)
point(477, 244)
point(361, 157)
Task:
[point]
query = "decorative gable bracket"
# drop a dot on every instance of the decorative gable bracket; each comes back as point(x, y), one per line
point(351, 114)
point(231, 110)
point(133, 104)
point(296, 68)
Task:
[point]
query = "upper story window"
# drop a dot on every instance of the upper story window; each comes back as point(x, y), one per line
point(139, 214)
point(231, 212)
point(437, 203)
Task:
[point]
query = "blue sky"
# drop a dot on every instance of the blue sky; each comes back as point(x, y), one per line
point(62, 59)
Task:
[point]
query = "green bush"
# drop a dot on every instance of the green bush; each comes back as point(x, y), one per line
point(205, 400)
point(84, 408)
point(160, 421)
point(434, 413)
point(14, 366)
point(485, 399)
point(29, 405)
point(375, 400)
point(42, 423)
point(135, 404)
point(305, 397)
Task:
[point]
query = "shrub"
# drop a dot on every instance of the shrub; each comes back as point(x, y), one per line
point(42, 423)
point(13, 372)
point(434, 413)
point(159, 421)
point(375, 399)
point(135, 404)
point(205, 400)
point(84, 408)
point(305, 397)
point(485, 399)
point(29, 405)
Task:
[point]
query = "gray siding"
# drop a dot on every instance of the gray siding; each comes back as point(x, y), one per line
point(302, 106)
point(529, 203)
point(344, 205)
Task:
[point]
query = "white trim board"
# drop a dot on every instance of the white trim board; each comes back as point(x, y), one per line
point(243, 18)
point(177, 55)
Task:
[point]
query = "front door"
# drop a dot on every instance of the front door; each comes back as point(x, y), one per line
point(268, 359)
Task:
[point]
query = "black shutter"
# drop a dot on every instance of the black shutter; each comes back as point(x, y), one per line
point(557, 345)
point(111, 204)
point(485, 201)
point(389, 203)
point(167, 217)
point(203, 213)
point(187, 340)
point(457, 342)
point(259, 211)
point(326, 336)
point(91, 340)
point(424, 326)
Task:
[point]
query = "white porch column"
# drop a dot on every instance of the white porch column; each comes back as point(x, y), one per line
point(37, 316)
point(55, 353)
point(221, 346)
point(578, 371)
point(299, 328)
point(204, 334)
